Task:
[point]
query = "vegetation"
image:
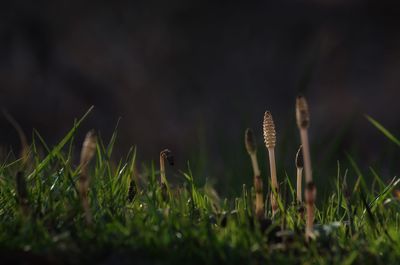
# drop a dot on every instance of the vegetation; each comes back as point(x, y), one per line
point(102, 212)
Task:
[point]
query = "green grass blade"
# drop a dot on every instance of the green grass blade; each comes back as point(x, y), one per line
point(383, 130)
point(62, 143)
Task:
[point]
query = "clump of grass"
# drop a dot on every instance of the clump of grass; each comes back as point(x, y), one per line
point(251, 147)
point(87, 153)
point(193, 225)
point(270, 142)
point(303, 122)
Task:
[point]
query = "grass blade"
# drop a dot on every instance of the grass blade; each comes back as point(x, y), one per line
point(383, 130)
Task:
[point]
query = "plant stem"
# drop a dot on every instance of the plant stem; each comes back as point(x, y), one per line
point(299, 174)
point(251, 147)
point(274, 181)
point(303, 122)
point(258, 187)
point(87, 153)
point(165, 155)
point(310, 192)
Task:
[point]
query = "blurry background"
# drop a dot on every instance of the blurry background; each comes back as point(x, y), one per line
point(192, 75)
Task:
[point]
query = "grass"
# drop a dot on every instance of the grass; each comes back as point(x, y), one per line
point(132, 222)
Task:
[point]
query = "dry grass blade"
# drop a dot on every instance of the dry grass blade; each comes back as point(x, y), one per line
point(251, 147)
point(270, 142)
point(303, 122)
point(87, 153)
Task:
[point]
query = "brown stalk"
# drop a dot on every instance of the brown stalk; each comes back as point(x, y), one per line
point(303, 122)
point(165, 154)
point(87, 153)
point(251, 147)
point(299, 173)
point(270, 141)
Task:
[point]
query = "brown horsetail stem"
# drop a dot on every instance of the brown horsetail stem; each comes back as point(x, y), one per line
point(303, 122)
point(251, 147)
point(270, 141)
point(165, 154)
point(299, 173)
point(87, 153)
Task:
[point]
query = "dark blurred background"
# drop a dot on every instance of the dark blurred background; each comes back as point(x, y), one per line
point(192, 75)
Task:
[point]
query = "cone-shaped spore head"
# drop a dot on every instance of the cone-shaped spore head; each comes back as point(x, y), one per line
point(269, 130)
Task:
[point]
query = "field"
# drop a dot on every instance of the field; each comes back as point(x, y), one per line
point(102, 211)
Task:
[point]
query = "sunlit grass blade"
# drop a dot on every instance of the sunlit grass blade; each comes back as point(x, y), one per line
point(383, 130)
point(360, 177)
point(60, 145)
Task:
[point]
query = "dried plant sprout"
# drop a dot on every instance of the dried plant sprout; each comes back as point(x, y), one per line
point(270, 142)
point(251, 147)
point(299, 175)
point(165, 154)
point(303, 122)
point(87, 153)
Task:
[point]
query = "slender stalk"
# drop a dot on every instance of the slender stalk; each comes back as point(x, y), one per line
point(303, 121)
point(299, 173)
point(165, 154)
point(251, 147)
point(87, 153)
point(270, 141)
